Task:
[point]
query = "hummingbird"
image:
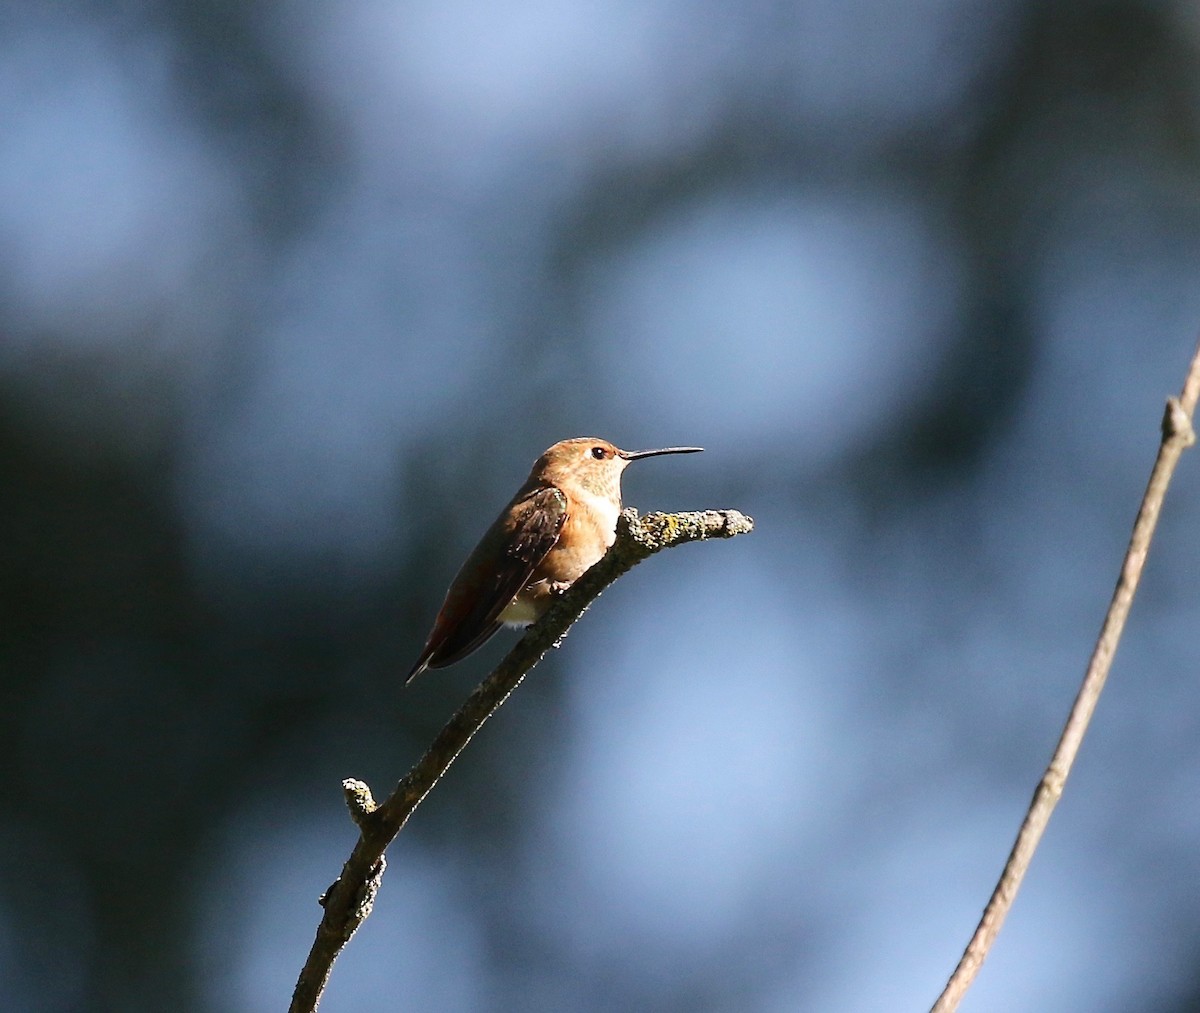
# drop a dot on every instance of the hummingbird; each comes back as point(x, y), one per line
point(558, 525)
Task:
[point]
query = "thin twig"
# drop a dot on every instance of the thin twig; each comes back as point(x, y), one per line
point(348, 901)
point(1177, 436)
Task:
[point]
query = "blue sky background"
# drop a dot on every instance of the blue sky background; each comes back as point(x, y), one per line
point(292, 294)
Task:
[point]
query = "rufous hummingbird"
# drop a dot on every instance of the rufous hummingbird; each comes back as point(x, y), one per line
point(559, 524)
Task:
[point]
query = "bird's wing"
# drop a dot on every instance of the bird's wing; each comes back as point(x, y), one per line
point(489, 580)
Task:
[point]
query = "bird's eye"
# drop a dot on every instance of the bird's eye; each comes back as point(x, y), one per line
point(599, 453)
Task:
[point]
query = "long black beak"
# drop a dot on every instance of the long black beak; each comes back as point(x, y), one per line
point(633, 455)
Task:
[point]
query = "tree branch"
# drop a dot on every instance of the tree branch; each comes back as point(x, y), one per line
point(348, 901)
point(1177, 436)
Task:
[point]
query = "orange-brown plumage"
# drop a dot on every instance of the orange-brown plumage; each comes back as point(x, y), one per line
point(558, 525)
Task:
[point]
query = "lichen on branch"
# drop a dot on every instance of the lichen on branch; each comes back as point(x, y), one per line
point(348, 901)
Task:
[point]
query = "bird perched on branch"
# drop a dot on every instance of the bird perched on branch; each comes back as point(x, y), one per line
point(560, 523)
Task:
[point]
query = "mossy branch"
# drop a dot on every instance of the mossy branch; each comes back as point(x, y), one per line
point(349, 900)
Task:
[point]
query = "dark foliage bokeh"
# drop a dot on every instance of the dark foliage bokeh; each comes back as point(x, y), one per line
point(291, 295)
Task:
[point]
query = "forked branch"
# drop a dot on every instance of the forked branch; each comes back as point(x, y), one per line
point(348, 901)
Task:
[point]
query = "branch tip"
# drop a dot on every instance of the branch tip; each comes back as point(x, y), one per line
point(359, 801)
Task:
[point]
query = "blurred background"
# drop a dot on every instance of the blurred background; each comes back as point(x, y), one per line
point(293, 293)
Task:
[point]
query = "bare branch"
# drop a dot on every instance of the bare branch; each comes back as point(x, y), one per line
point(1177, 436)
point(348, 901)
